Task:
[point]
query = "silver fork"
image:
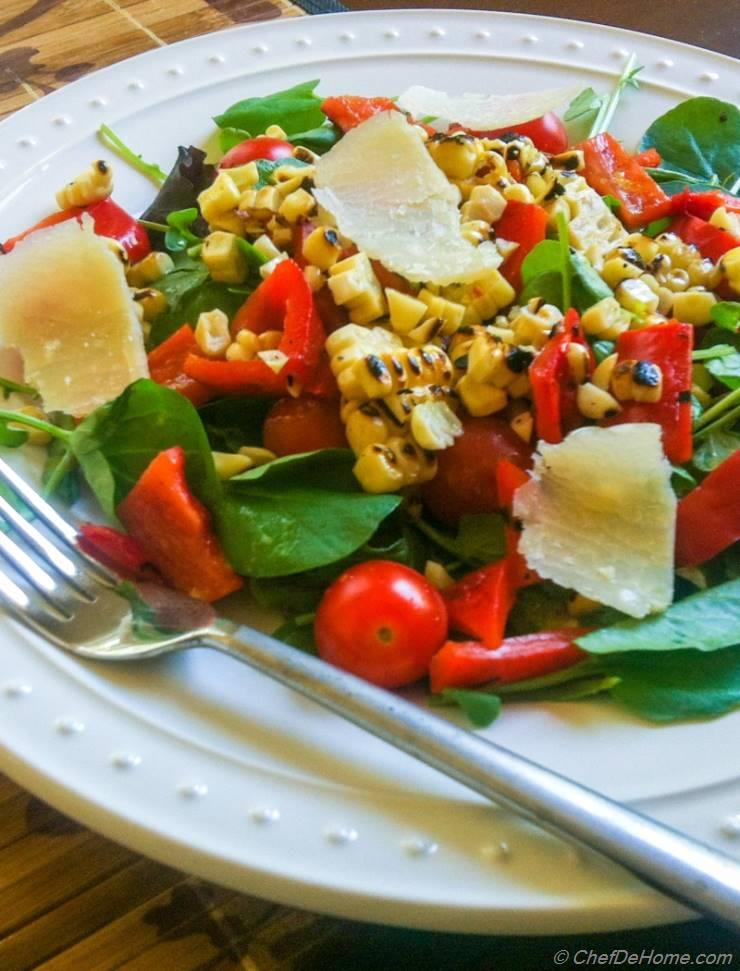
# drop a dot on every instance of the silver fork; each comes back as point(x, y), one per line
point(48, 584)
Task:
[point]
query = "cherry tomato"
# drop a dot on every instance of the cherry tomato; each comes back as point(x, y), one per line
point(548, 133)
point(303, 424)
point(465, 482)
point(254, 148)
point(381, 621)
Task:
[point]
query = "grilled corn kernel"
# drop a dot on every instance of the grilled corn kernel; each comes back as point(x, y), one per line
point(571, 161)
point(425, 332)
point(244, 176)
point(605, 319)
point(449, 312)
point(315, 278)
point(353, 284)
point(152, 302)
point(152, 267)
point(274, 359)
point(244, 346)
point(224, 258)
point(694, 306)
point(92, 185)
point(730, 266)
point(365, 426)
point(436, 574)
point(322, 248)
point(221, 197)
point(405, 311)
point(267, 268)
point(378, 375)
point(481, 399)
point(729, 221)
point(269, 340)
point(457, 155)
point(579, 361)
point(603, 372)
point(257, 455)
point(596, 403)
point(377, 469)
point(290, 178)
point(475, 231)
point(517, 193)
point(297, 205)
point(275, 131)
point(523, 425)
point(212, 333)
point(636, 297)
point(485, 203)
point(533, 326)
point(434, 425)
point(34, 436)
point(487, 296)
point(266, 248)
point(637, 381)
point(645, 247)
point(229, 464)
point(351, 343)
point(617, 269)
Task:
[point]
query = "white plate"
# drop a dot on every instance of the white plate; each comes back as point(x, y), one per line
point(202, 764)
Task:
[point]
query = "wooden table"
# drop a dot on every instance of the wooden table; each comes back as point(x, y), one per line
point(73, 901)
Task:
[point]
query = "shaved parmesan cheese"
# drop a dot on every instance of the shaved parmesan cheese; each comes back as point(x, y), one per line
point(387, 195)
point(484, 112)
point(599, 516)
point(66, 307)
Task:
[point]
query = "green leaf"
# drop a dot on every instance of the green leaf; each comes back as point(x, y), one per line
point(9, 387)
point(701, 137)
point(543, 274)
point(480, 707)
point(266, 169)
point(707, 621)
point(657, 226)
point(297, 634)
point(118, 441)
point(109, 138)
point(480, 539)
point(726, 314)
point(682, 480)
point(60, 474)
point(602, 350)
point(714, 449)
point(296, 109)
point(585, 106)
point(716, 350)
point(318, 140)
point(11, 437)
point(228, 138)
point(231, 423)
point(297, 513)
point(726, 368)
point(612, 202)
point(627, 79)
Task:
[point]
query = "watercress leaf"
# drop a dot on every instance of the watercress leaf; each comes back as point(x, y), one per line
point(118, 441)
point(318, 140)
point(706, 621)
point(726, 314)
point(714, 448)
point(725, 368)
point(266, 168)
point(700, 136)
point(584, 105)
point(233, 422)
point(189, 176)
point(481, 708)
point(682, 684)
point(296, 109)
point(190, 291)
point(229, 137)
point(297, 513)
point(480, 539)
point(11, 437)
point(682, 480)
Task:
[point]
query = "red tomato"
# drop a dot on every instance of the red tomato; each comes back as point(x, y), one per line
point(304, 424)
point(465, 482)
point(381, 621)
point(548, 133)
point(254, 148)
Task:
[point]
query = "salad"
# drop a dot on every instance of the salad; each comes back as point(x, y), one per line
point(452, 382)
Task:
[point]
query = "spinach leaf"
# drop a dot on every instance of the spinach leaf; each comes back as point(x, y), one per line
point(726, 368)
point(480, 538)
point(682, 481)
point(715, 448)
point(297, 513)
point(706, 621)
point(118, 441)
point(318, 140)
point(481, 707)
point(296, 109)
point(699, 138)
point(543, 274)
point(726, 314)
point(231, 423)
point(229, 137)
point(189, 176)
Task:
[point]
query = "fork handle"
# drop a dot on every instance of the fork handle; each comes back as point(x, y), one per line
point(691, 872)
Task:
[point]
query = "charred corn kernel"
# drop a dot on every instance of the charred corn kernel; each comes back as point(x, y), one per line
point(579, 606)
point(377, 469)
point(436, 574)
point(405, 311)
point(378, 375)
point(297, 205)
point(351, 343)
point(533, 324)
point(579, 361)
point(152, 302)
point(289, 178)
point(475, 231)
point(268, 340)
point(321, 247)
point(730, 266)
point(617, 269)
point(398, 408)
point(593, 402)
point(425, 332)
point(517, 192)
point(694, 306)
point(365, 426)
point(304, 154)
point(645, 247)
point(244, 176)
point(571, 161)
point(523, 425)
point(229, 464)
point(267, 268)
point(457, 155)
point(224, 258)
point(280, 233)
point(540, 184)
point(520, 387)
point(274, 359)
point(353, 284)
point(729, 221)
point(221, 197)
point(117, 250)
point(434, 425)
point(603, 372)
point(417, 465)
point(487, 296)
point(481, 399)
point(212, 333)
point(34, 436)
point(637, 298)
point(449, 312)
point(275, 131)
point(605, 319)
point(637, 381)
point(266, 248)
point(257, 455)
point(484, 203)
point(315, 278)
point(152, 267)
point(92, 185)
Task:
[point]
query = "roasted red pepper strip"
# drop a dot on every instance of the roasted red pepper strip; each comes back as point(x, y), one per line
point(282, 302)
point(112, 548)
point(523, 223)
point(554, 388)
point(711, 241)
point(703, 204)
point(649, 159)
point(174, 530)
point(508, 479)
point(669, 346)
point(612, 171)
point(709, 516)
point(349, 110)
point(464, 664)
point(108, 219)
point(167, 366)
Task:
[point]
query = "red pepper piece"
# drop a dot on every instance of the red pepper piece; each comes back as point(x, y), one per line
point(709, 516)
point(523, 223)
point(669, 346)
point(167, 366)
point(554, 388)
point(711, 241)
point(508, 479)
point(464, 664)
point(349, 110)
point(332, 316)
point(174, 530)
point(703, 204)
point(649, 159)
point(387, 278)
point(108, 219)
point(112, 548)
point(282, 302)
point(612, 171)
point(547, 132)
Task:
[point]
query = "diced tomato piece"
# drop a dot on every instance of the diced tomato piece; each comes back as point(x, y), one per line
point(251, 149)
point(523, 223)
point(349, 110)
point(167, 366)
point(303, 424)
point(174, 530)
point(508, 479)
point(709, 516)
